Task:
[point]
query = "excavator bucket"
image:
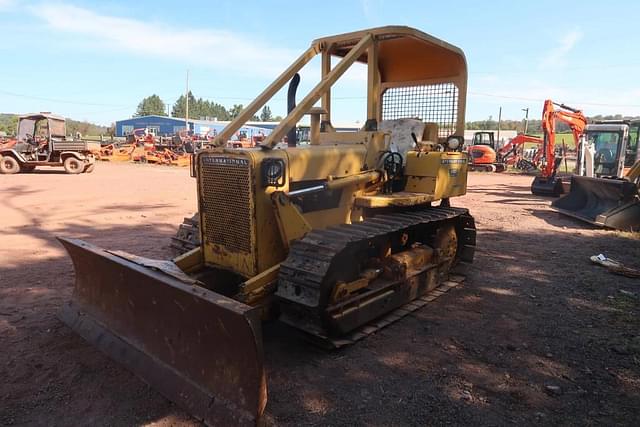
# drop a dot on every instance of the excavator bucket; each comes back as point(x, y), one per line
point(198, 348)
point(547, 186)
point(611, 203)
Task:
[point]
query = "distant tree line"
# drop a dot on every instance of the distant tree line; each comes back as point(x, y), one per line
point(9, 125)
point(198, 109)
point(535, 125)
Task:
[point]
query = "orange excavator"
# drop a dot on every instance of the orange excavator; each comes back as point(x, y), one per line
point(548, 184)
point(484, 154)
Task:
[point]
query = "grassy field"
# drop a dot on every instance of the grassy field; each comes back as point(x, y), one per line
point(560, 137)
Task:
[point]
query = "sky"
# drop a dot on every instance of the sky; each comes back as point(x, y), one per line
point(95, 61)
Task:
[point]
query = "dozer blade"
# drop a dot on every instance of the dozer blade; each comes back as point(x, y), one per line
point(611, 203)
point(547, 186)
point(198, 348)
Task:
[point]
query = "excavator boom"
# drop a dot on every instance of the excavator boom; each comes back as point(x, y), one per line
point(547, 184)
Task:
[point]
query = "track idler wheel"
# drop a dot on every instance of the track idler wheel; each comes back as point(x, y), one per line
point(445, 244)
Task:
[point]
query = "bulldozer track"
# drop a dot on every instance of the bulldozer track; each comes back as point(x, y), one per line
point(317, 261)
point(386, 320)
point(188, 235)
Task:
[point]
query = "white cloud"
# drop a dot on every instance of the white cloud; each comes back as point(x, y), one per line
point(214, 48)
point(370, 9)
point(7, 4)
point(556, 57)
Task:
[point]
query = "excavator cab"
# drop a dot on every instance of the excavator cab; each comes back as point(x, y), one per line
point(609, 147)
point(332, 235)
point(484, 138)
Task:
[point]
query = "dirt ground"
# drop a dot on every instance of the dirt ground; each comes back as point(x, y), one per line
point(536, 334)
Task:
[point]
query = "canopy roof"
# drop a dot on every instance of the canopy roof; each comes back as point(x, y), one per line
point(38, 116)
point(405, 54)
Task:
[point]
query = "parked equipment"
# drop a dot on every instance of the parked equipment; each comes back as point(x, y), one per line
point(485, 155)
point(334, 234)
point(41, 141)
point(547, 183)
point(512, 153)
point(609, 197)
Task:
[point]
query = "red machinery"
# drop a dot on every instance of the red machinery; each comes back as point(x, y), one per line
point(485, 155)
point(510, 153)
point(547, 184)
point(482, 153)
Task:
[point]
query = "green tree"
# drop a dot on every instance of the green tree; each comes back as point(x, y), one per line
point(265, 115)
point(212, 110)
point(151, 105)
point(199, 109)
point(8, 123)
point(235, 111)
point(85, 128)
point(179, 108)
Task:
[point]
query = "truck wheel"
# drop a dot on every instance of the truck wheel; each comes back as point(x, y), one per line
point(9, 165)
point(73, 165)
point(89, 168)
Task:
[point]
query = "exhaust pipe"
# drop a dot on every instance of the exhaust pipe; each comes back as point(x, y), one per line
point(292, 137)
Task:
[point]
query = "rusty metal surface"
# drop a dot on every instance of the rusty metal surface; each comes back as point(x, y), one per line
point(332, 343)
point(226, 202)
point(198, 348)
point(188, 235)
point(325, 257)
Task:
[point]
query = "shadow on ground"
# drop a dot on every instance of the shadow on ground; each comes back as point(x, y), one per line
point(536, 334)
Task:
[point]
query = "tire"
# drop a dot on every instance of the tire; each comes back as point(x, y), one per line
point(9, 165)
point(73, 165)
point(89, 168)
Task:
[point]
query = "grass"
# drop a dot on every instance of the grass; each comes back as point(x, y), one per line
point(560, 137)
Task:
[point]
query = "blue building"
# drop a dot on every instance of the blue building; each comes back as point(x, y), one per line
point(165, 126)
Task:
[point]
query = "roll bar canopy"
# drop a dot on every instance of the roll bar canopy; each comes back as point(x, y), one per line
point(396, 56)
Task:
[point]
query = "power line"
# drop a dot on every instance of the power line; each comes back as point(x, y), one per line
point(61, 101)
point(597, 104)
point(537, 70)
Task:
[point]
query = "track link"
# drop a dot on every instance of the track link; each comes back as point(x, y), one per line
point(188, 235)
point(324, 257)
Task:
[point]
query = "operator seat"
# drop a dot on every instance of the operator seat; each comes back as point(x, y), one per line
point(401, 140)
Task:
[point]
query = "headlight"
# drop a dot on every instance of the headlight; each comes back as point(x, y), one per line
point(454, 142)
point(273, 173)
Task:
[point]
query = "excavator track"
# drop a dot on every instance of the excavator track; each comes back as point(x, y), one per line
point(324, 258)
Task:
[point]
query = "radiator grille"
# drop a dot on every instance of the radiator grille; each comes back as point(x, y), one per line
point(437, 103)
point(227, 202)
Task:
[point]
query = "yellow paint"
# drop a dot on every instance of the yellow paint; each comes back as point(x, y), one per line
point(345, 164)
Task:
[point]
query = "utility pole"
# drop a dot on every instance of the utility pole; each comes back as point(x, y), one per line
point(186, 116)
point(526, 119)
point(499, 122)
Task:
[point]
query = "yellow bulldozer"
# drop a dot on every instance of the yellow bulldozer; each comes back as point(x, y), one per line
point(327, 236)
